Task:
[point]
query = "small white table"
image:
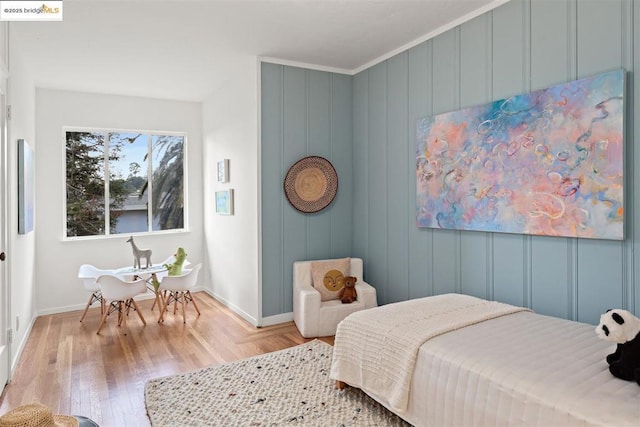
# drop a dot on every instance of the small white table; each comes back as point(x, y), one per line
point(141, 272)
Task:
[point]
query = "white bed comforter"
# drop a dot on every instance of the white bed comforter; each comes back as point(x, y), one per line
point(376, 349)
point(522, 369)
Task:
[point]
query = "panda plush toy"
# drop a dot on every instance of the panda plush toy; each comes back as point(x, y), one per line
point(623, 328)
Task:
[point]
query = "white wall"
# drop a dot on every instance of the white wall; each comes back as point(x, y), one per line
point(230, 129)
point(21, 256)
point(57, 261)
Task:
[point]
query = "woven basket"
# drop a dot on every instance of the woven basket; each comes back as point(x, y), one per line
point(311, 184)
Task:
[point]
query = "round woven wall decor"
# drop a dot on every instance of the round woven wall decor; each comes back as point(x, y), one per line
point(311, 184)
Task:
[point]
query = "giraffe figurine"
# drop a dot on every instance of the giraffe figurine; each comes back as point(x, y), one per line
point(139, 254)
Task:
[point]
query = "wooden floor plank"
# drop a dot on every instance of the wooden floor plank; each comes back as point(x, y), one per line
point(70, 368)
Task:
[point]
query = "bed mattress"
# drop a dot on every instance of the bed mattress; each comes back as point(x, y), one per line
point(519, 369)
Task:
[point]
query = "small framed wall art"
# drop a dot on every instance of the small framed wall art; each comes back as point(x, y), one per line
point(223, 170)
point(26, 183)
point(224, 202)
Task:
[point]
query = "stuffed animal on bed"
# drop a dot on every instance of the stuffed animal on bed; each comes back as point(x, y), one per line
point(623, 328)
point(348, 292)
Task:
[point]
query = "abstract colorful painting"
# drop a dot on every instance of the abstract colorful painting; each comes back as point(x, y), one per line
point(549, 162)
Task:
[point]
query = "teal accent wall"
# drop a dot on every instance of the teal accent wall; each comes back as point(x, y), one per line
point(304, 113)
point(521, 46)
point(365, 125)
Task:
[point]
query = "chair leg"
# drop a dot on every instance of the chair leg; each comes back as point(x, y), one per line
point(86, 308)
point(163, 299)
point(166, 302)
point(93, 298)
point(104, 317)
point(123, 323)
point(192, 299)
point(159, 299)
point(162, 311)
point(155, 301)
point(138, 311)
point(182, 298)
point(120, 313)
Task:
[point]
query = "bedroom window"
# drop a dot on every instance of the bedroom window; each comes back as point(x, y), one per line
point(123, 182)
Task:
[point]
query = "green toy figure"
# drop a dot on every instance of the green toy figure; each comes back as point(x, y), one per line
point(175, 268)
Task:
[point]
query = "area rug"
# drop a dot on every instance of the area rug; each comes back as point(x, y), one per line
point(287, 387)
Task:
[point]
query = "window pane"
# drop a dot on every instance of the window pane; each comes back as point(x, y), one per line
point(167, 184)
point(127, 177)
point(144, 187)
point(85, 183)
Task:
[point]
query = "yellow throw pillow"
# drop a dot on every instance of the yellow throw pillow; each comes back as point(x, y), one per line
point(328, 277)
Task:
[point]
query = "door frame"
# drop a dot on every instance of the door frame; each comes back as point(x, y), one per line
point(5, 205)
point(5, 289)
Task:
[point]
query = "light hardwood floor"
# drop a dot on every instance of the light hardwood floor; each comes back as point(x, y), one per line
point(66, 366)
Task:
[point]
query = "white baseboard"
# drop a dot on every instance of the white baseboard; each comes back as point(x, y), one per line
point(266, 321)
point(246, 316)
point(23, 343)
point(277, 319)
point(66, 308)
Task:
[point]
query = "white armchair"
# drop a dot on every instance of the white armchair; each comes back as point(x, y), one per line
point(316, 318)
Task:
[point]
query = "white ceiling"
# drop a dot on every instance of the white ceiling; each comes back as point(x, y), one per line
point(183, 50)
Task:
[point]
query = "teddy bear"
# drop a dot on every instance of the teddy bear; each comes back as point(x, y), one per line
point(623, 328)
point(348, 292)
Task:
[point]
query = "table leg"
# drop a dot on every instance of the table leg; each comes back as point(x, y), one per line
point(158, 299)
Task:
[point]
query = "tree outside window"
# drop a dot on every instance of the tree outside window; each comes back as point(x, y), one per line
point(144, 191)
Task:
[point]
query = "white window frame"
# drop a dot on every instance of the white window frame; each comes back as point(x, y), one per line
point(149, 134)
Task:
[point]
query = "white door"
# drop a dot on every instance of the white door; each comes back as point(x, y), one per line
point(5, 350)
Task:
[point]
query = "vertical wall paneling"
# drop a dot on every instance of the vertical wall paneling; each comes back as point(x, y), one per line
point(319, 144)
point(272, 203)
point(599, 49)
point(600, 282)
point(628, 291)
point(551, 260)
point(572, 74)
point(599, 45)
point(295, 146)
point(420, 105)
point(522, 45)
point(510, 264)
point(633, 158)
point(398, 146)
point(377, 143)
point(549, 281)
point(475, 89)
point(304, 113)
point(342, 158)
point(361, 168)
point(445, 89)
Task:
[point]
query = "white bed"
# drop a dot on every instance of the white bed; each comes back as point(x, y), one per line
point(518, 368)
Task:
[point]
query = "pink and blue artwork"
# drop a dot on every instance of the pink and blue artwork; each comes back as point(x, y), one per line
point(549, 163)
